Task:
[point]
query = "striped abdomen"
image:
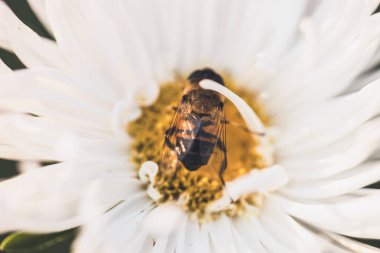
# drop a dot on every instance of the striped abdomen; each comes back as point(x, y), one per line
point(195, 144)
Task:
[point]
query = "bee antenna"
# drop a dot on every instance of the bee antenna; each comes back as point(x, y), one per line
point(206, 73)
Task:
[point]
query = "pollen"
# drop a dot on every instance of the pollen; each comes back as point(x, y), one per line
point(195, 190)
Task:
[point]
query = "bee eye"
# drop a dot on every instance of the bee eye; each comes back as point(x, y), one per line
point(207, 73)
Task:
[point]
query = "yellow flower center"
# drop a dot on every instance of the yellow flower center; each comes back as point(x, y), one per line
point(197, 189)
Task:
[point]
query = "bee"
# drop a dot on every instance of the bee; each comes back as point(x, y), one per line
point(196, 137)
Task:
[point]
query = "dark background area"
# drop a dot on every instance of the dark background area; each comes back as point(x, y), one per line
point(24, 12)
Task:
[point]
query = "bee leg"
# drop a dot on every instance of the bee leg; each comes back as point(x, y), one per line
point(167, 141)
point(169, 131)
point(223, 166)
point(243, 128)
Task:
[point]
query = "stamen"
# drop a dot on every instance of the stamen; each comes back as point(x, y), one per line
point(147, 174)
point(148, 171)
point(253, 122)
point(266, 180)
point(123, 113)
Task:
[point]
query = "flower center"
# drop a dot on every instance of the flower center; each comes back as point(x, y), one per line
point(195, 190)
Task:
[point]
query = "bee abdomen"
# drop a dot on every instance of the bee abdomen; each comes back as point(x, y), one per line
point(194, 153)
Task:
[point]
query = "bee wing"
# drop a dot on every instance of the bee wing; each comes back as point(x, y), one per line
point(218, 160)
point(169, 160)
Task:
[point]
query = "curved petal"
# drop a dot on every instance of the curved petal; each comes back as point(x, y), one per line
point(126, 217)
point(205, 238)
point(257, 34)
point(311, 129)
point(47, 199)
point(297, 237)
point(267, 239)
point(339, 156)
point(363, 79)
point(221, 236)
point(319, 70)
point(351, 216)
point(52, 88)
point(84, 31)
point(342, 183)
point(247, 232)
point(338, 243)
point(30, 48)
point(192, 240)
point(29, 137)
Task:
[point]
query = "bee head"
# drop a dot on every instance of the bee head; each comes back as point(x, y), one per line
point(206, 73)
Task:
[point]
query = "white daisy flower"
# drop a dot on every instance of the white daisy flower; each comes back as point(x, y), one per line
point(301, 136)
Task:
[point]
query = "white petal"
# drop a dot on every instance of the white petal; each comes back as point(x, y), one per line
point(124, 112)
point(53, 198)
point(330, 70)
point(192, 240)
point(180, 238)
point(339, 156)
point(29, 137)
point(268, 179)
point(221, 237)
point(56, 96)
point(342, 183)
point(205, 238)
point(126, 217)
point(352, 216)
point(163, 219)
point(161, 245)
point(327, 12)
point(257, 33)
point(314, 240)
point(342, 244)
point(363, 80)
point(32, 50)
point(63, 83)
point(328, 121)
point(246, 231)
point(28, 166)
point(84, 32)
point(267, 239)
point(278, 224)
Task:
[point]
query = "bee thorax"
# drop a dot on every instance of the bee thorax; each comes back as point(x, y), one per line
point(204, 101)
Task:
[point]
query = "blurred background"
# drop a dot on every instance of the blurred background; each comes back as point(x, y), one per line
point(10, 168)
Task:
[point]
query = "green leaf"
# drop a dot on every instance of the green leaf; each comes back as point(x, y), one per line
point(39, 243)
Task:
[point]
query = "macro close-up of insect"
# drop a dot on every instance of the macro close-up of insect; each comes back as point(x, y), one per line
point(196, 136)
point(189, 126)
